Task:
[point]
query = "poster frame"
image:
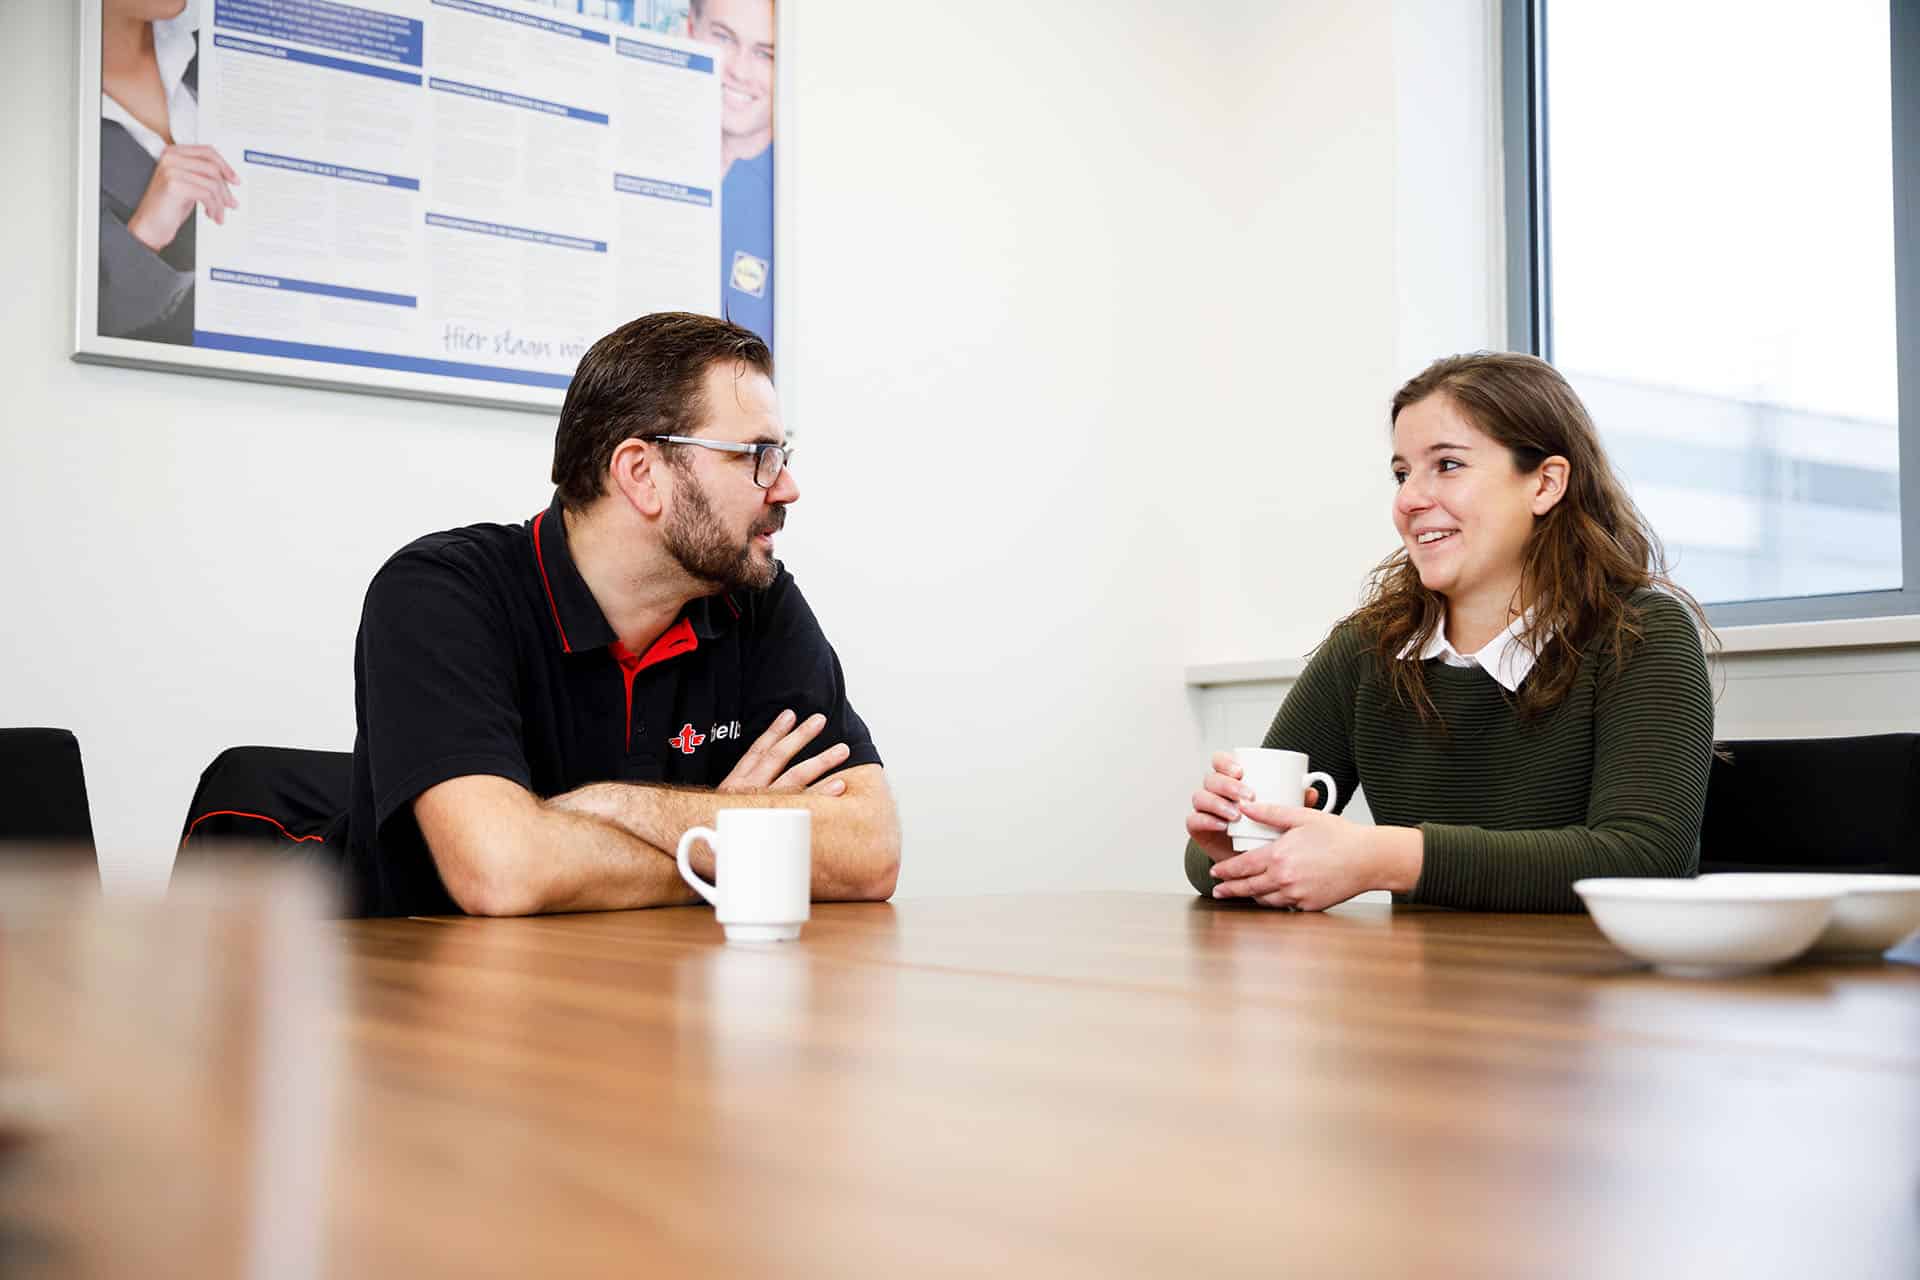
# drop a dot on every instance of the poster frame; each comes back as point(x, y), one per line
point(91, 347)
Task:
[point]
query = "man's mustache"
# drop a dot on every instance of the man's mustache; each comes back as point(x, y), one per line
point(773, 523)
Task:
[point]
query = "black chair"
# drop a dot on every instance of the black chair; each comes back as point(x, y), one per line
point(272, 797)
point(1815, 804)
point(43, 790)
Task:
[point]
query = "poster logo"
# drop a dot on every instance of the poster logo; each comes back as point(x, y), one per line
point(749, 273)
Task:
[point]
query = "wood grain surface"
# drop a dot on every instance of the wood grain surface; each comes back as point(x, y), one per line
point(1090, 1085)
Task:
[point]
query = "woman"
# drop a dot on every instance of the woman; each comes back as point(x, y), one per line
point(152, 172)
point(1523, 693)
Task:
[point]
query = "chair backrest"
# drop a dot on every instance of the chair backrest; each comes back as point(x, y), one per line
point(1815, 804)
point(43, 789)
point(269, 796)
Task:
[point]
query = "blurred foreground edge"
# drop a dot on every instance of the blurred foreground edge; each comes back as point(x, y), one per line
point(168, 1069)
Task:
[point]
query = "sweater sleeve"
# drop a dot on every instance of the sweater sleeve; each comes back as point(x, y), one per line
point(1316, 717)
point(1653, 745)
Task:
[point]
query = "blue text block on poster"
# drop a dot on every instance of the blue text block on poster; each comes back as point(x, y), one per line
point(367, 33)
point(679, 192)
point(285, 54)
point(260, 280)
point(665, 55)
point(519, 100)
point(532, 21)
point(321, 169)
point(477, 226)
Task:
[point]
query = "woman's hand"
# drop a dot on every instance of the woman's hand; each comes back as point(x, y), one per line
point(1215, 804)
point(183, 177)
point(1218, 803)
point(1319, 861)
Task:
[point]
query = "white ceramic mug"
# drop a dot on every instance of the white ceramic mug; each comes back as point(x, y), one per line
point(763, 860)
point(1277, 777)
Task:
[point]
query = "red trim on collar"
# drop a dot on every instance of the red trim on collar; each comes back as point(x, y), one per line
point(541, 560)
point(674, 641)
point(629, 668)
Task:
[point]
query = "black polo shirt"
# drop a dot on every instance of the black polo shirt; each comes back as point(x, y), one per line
point(481, 651)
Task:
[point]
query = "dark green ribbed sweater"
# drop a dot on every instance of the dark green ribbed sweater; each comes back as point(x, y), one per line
point(1612, 782)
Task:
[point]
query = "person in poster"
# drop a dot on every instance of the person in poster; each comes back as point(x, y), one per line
point(152, 173)
point(743, 30)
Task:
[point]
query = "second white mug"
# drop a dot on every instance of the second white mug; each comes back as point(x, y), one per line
point(1277, 777)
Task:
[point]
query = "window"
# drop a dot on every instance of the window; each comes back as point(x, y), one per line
point(1713, 213)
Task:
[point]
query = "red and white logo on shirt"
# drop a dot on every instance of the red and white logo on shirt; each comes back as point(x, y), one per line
point(689, 738)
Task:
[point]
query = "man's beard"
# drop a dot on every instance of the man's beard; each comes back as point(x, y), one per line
point(700, 545)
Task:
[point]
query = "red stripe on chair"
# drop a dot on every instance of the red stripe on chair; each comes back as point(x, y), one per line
point(236, 813)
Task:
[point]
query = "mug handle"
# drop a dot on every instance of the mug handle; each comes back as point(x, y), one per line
point(1333, 792)
point(687, 873)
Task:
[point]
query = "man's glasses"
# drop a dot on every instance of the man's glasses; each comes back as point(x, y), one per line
point(769, 460)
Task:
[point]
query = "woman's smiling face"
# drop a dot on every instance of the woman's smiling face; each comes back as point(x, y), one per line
point(1462, 508)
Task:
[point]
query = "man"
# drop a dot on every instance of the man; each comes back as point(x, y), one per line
point(543, 708)
point(743, 30)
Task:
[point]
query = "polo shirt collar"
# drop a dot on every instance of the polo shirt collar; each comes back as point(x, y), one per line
point(1505, 657)
point(578, 623)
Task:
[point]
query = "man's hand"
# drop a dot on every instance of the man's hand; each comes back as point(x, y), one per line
point(183, 177)
point(1319, 860)
point(764, 767)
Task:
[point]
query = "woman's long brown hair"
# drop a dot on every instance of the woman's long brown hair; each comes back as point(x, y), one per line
point(1585, 557)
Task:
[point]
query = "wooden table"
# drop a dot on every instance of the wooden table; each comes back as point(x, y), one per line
point(1108, 1084)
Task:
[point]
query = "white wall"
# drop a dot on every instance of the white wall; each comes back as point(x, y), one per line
point(1372, 246)
point(1095, 324)
point(1276, 481)
point(1009, 248)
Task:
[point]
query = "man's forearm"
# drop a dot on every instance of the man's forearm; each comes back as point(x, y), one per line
point(856, 836)
point(501, 852)
point(589, 864)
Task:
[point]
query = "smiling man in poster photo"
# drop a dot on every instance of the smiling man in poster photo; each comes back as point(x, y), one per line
point(743, 31)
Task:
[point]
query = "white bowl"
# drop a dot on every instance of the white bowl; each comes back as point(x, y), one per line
point(1702, 929)
point(1872, 913)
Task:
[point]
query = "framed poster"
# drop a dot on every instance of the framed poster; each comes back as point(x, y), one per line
point(444, 198)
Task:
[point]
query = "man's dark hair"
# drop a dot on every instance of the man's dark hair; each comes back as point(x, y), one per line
point(643, 379)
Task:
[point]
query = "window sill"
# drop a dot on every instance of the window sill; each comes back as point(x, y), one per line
point(1842, 633)
point(1770, 637)
point(1205, 674)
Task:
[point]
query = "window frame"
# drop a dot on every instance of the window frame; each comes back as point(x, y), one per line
point(1525, 101)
